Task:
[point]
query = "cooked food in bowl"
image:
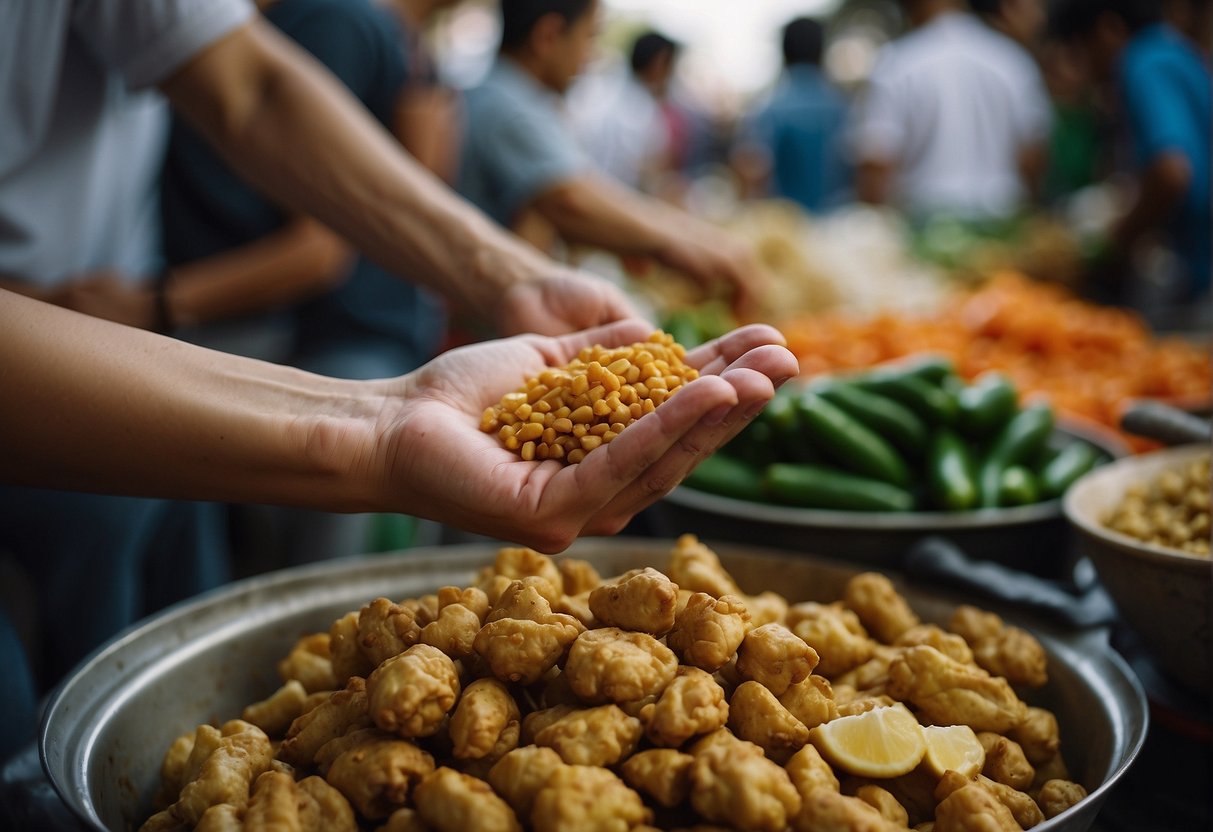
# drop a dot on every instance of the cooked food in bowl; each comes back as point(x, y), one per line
point(1171, 509)
point(548, 698)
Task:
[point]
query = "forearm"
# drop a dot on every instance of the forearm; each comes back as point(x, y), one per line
point(592, 210)
point(254, 90)
point(299, 261)
point(107, 408)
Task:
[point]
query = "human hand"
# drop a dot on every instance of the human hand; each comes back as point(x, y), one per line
point(108, 295)
point(712, 258)
point(432, 459)
point(560, 302)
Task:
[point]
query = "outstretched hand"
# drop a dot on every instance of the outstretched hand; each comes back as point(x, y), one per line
point(564, 301)
point(435, 461)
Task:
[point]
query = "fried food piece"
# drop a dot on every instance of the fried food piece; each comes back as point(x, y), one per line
point(775, 657)
point(883, 801)
point(825, 810)
point(1005, 761)
point(486, 723)
point(227, 773)
point(183, 760)
point(273, 804)
point(309, 664)
point(599, 736)
point(337, 746)
point(915, 792)
point(1052, 769)
point(520, 774)
point(323, 808)
point(863, 704)
point(695, 567)
point(385, 630)
point(275, 714)
point(347, 657)
point(881, 609)
point(766, 608)
point(664, 774)
point(471, 597)
point(613, 665)
point(1058, 795)
point(493, 586)
point(950, 644)
point(755, 715)
point(873, 675)
point(529, 598)
point(411, 694)
point(834, 632)
point(811, 701)
point(1004, 651)
point(1022, 807)
point(344, 711)
point(449, 801)
point(222, 818)
point(577, 606)
point(733, 783)
point(809, 772)
point(967, 807)
point(454, 631)
point(587, 799)
point(536, 721)
point(693, 703)
point(708, 630)
point(377, 774)
point(517, 562)
point(423, 609)
point(578, 576)
point(642, 600)
point(945, 692)
point(1038, 735)
point(522, 638)
point(404, 820)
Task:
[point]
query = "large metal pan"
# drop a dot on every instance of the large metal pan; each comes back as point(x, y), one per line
point(107, 727)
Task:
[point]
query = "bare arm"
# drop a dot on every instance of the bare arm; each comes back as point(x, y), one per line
point(873, 181)
point(282, 121)
point(427, 122)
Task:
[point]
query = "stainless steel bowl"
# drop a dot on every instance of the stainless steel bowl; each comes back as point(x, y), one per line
point(1165, 595)
point(1033, 538)
point(107, 727)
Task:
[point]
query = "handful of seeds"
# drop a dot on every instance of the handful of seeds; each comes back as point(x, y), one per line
point(566, 412)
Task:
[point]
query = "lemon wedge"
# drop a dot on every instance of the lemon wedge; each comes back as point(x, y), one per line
point(953, 748)
point(883, 742)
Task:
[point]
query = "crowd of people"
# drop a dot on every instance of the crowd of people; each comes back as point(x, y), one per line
point(288, 192)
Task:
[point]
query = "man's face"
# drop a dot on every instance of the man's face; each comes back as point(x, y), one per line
point(570, 49)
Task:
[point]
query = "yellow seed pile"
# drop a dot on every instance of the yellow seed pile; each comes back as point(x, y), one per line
point(1172, 510)
point(566, 412)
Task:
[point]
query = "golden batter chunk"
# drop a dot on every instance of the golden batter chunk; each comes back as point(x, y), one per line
point(613, 665)
point(881, 609)
point(766, 608)
point(642, 600)
point(695, 567)
point(520, 562)
point(692, 704)
point(1005, 761)
point(708, 630)
point(883, 801)
point(522, 650)
point(733, 783)
point(587, 799)
point(664, 774)
point(825, 810)
point(377, 774)
point(404, 820)
point(275, 714)
point(755, 715)
point(347, 657)
point(809, 772)
point(385, 630)
point(811, 701)
point(945, 692)
point(950, 644)
point(309, 664)
point(967, 807)
point(450, 801)
point(1038, 735)
point(454, 631)
point(520, 774)
point(1004, 651)
point(834, 632)
point(599, 736)
point(775, 657)
point(1058, 795)
point(411, 694)
point(578, 576)
point(486, 722)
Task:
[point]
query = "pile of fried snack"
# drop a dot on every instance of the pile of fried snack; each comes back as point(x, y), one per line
point(547, 698)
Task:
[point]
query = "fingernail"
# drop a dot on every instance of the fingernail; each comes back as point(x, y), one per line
point(716, 415)
point(780, 382)
point(753, 410)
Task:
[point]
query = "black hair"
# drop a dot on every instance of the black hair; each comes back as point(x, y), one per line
point(803, 41)
point(1074, 19)
point(649, 47)
point(986, 8)
point(518, 17)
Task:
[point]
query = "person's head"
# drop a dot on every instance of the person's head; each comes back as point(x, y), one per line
point(803, 41)
point(554, 38)
point(922, 12)
point(1020, 20)
point(653, 56)
point(1098, 30)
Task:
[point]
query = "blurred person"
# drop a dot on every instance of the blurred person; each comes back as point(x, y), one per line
point(793, 144)
point(1165, 91)
point(521, 160)
point(622, 121)
point(1023, 21)
point(1194, 18)
point(81, 141)
point(954, 120)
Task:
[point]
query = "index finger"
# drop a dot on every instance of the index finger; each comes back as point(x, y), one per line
point(712, 357)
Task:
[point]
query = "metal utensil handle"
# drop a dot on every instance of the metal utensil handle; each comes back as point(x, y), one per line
point(1167, 424)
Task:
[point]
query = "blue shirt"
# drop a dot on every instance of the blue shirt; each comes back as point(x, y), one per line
point(517, 143)
point(801, 127)
point(1168, 97)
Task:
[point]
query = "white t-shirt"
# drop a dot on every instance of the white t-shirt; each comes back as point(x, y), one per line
point(82, 136)
point(618, 123)
point(951, 105)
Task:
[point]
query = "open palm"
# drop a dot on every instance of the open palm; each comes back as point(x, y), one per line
point(434, 455)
